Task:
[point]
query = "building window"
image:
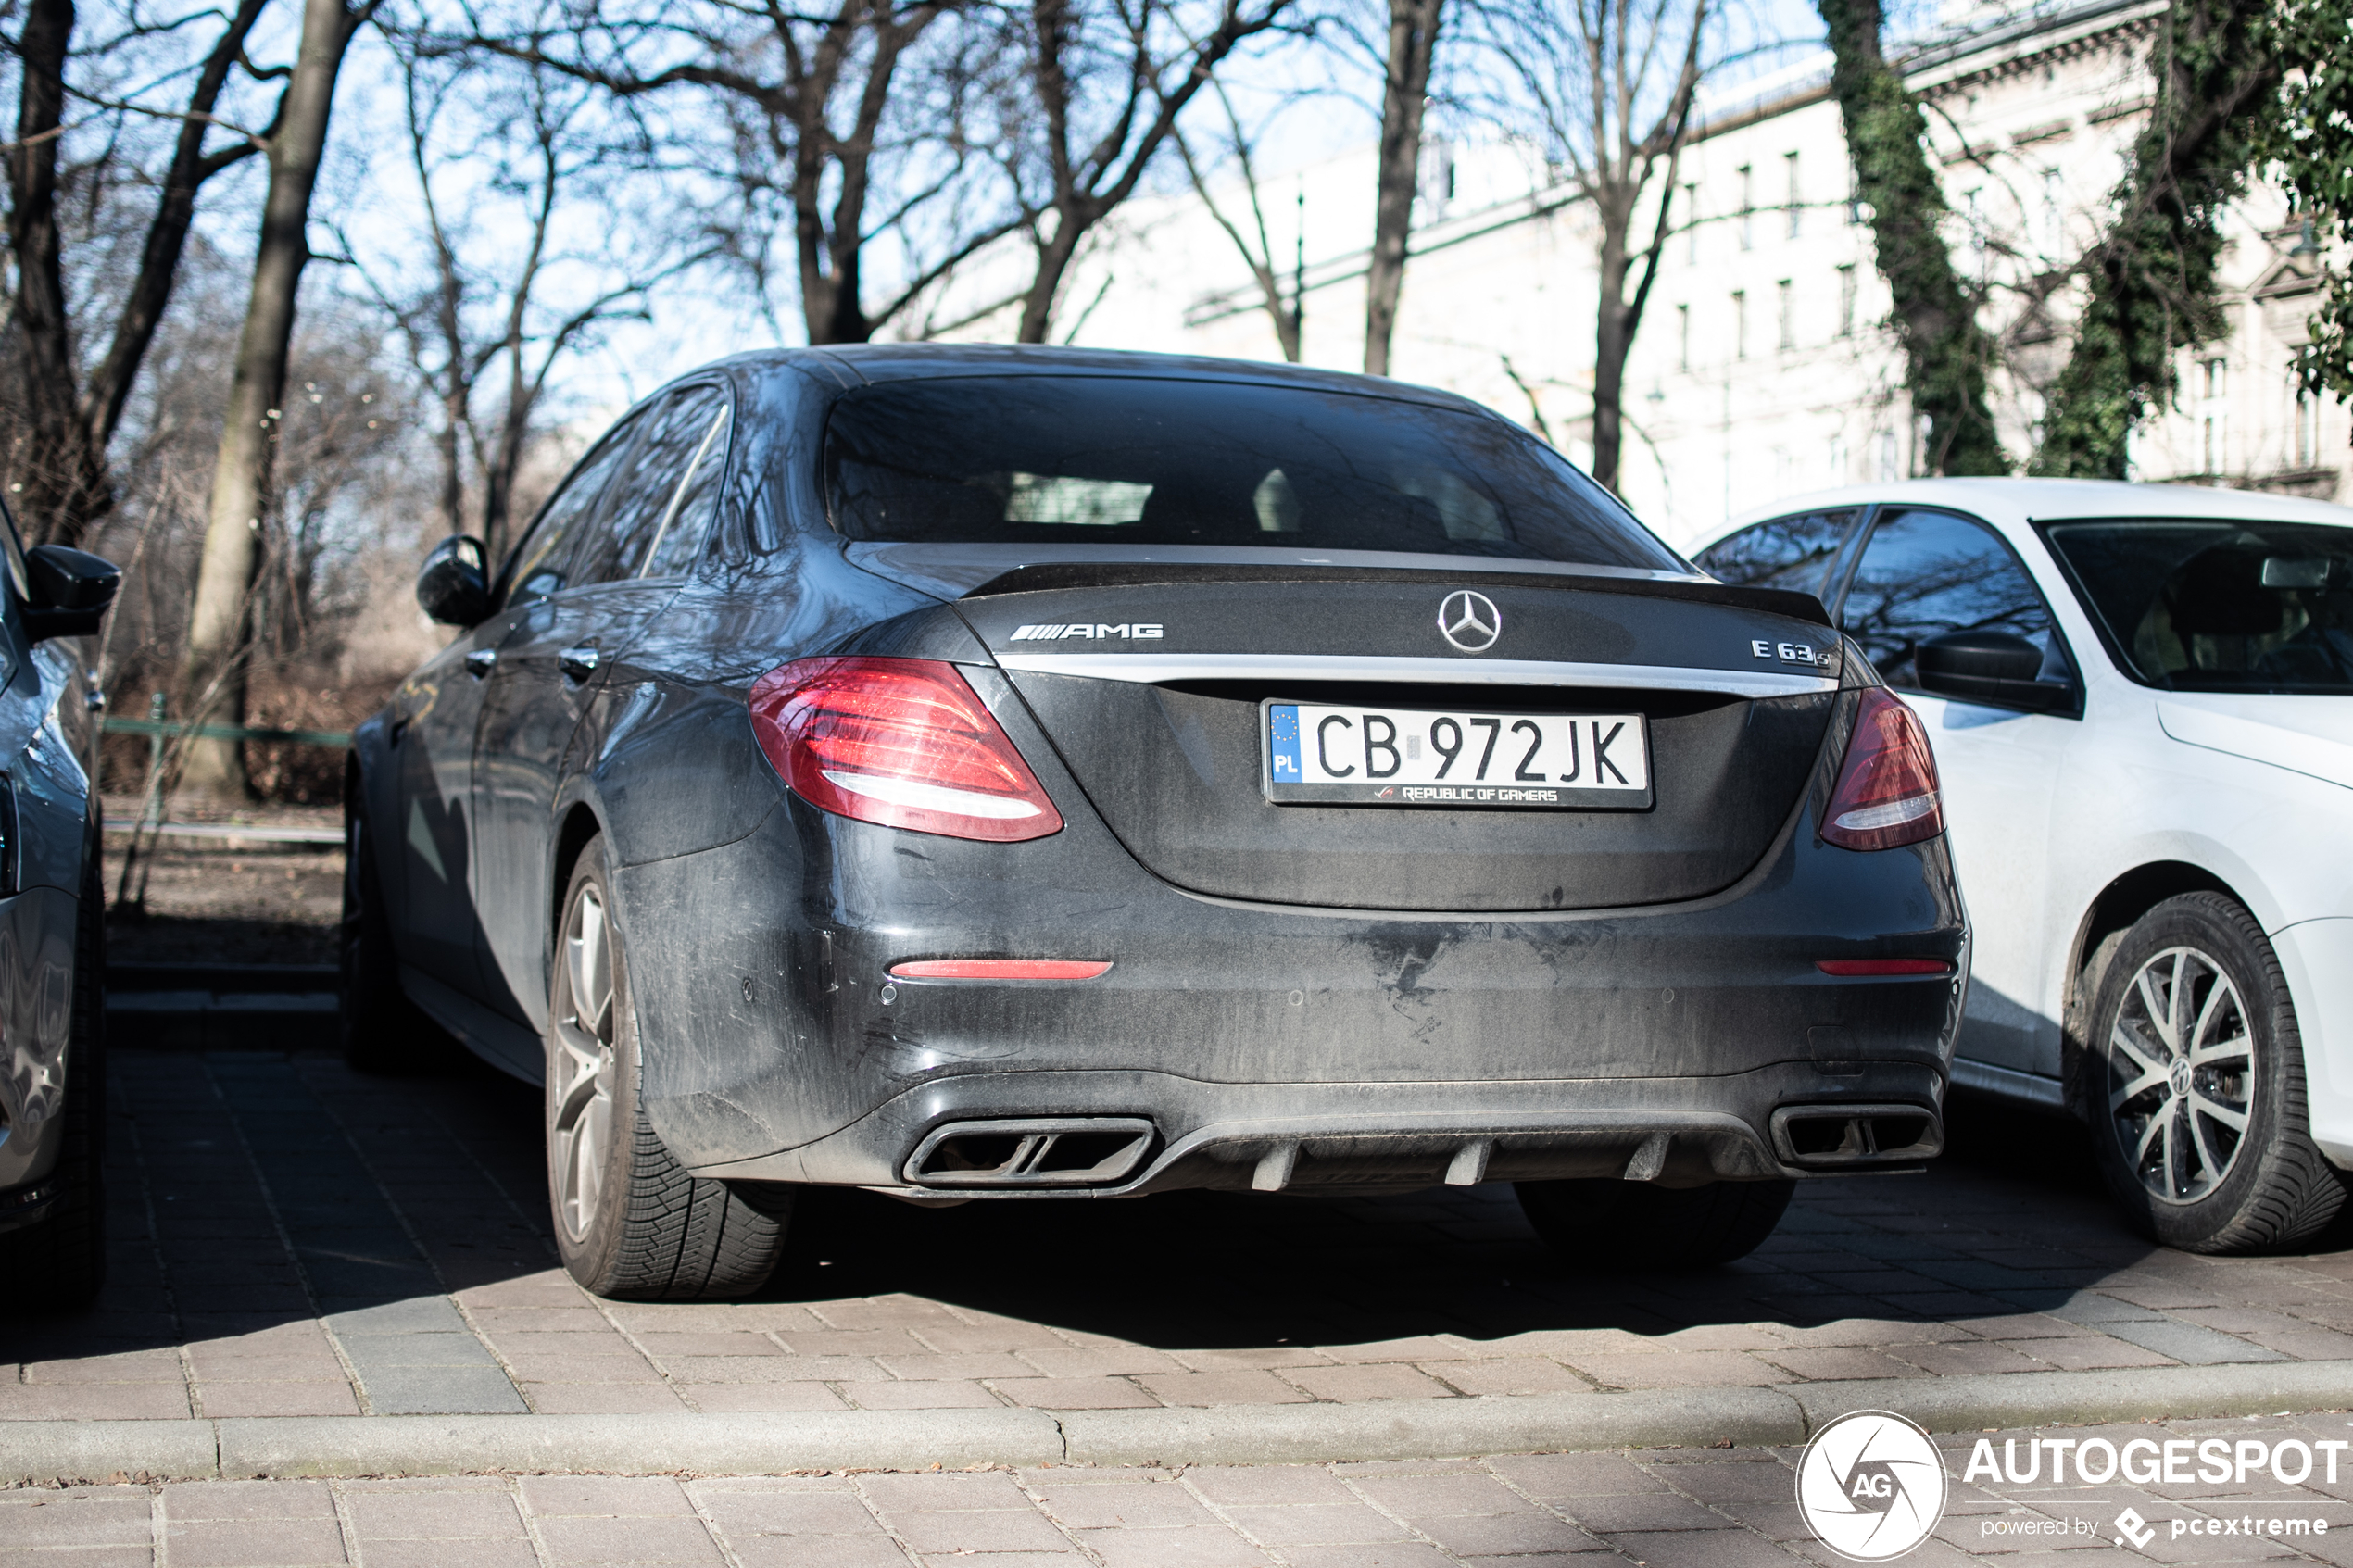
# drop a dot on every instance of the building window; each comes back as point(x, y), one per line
point(1846, 301)
point(2308, 430)
point(2212, 458)
point(1797, 202)
point(1740, 324)
point(1853, 193)
point(1787, 305)
point(2053, 219)
point(1748, 207)
point(1889, 468)
point(2216, 374)
point(1690, 223)
point(1683, 337)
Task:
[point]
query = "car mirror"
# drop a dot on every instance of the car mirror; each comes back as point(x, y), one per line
point(70, 591)
point(453, 587)
point(1991, 667)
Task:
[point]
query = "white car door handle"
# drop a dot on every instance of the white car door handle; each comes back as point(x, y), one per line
point(579, 663)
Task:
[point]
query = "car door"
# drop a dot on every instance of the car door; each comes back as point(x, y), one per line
point(440, 712)
point(549, 669)
point(1923, 574)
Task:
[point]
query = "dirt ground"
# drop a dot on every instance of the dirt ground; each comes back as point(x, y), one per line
point(224, 900)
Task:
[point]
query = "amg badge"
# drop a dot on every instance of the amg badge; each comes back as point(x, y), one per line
point(1054, 632)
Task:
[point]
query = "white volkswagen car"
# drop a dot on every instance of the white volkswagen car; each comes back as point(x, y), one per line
point(2141, 699)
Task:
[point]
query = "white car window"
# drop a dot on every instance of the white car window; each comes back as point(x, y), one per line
point(1927, 573)
point(1788, 552)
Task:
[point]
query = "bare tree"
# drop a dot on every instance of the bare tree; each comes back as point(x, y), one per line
point(70, 419)
point(220, 622)
point(1103, 83)
point(1413, 46)
point(1612, 82)
point(501, 291)
point(809, 97)
point(1289, 320)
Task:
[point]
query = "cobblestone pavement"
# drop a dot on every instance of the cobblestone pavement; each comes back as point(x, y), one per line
point(293, 1240)
point(1659, 1508)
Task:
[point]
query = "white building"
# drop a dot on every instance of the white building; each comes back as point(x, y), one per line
point(1763, 366)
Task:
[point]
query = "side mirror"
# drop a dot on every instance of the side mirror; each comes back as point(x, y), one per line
point(453, 587)
point(1991, 667)
point(70, 591)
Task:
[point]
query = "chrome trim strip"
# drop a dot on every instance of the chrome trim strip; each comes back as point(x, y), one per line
point(1154, 668)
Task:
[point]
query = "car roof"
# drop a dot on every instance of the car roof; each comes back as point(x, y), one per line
point(851, 364)
point(2018, 501)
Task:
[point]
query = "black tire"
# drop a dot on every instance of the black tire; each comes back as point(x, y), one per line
point(1639, 1225)
point(2181, 1171)
point(630, 1223)
point(380, 1030)
point(59, 1262)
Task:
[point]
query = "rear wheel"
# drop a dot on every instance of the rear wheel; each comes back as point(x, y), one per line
point(630, 1222)
point(1638, 1225)
point(59, 1262)
point(2193, 1080)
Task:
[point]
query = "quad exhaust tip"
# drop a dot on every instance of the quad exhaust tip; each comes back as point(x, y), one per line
point(1047, 1151)
point(1829, 1136)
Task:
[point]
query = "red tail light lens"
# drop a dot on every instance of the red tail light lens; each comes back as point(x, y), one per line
point(1886, 794)
point(1882, 966)
point(903, 742)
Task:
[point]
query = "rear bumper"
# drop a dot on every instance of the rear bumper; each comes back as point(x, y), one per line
point(1678, 1132)
point(1377, 1047)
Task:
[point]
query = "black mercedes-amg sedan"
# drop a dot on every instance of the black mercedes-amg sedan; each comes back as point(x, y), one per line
point(976, 772)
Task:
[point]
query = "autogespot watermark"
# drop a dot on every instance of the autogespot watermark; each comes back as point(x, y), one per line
point(1872, 1484)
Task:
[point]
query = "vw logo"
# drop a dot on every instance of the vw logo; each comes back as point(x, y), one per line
point(1469, 620)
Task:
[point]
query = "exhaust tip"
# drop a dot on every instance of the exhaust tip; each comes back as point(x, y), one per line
point(1844, 1137)
point(1049, 1151)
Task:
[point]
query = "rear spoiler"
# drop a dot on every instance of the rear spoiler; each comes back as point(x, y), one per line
point(1051, 575)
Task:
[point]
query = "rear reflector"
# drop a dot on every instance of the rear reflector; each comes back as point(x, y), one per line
point(1883, 966)
point(1001, 969)
point(1886, 795)
point(903, 742)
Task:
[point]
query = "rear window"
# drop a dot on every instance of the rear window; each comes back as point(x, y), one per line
point(2198, 605)
point(1068, 459)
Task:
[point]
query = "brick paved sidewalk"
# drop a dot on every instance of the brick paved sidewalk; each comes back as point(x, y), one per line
point(1657, 1509)
point(290, 1239)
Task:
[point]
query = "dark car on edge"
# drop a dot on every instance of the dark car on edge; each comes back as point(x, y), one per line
point(53, 1071)
point(1021, 773)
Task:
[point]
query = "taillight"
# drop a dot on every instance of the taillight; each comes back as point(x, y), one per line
point(1001, 969)
point(903, 742)
point(1886, 794)
point(1857, 967)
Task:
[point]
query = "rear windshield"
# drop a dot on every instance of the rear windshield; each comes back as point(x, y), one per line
point(1069, 459)
point(2220, 607)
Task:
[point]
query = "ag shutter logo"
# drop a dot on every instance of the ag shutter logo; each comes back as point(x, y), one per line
point(1871, 1486)
point(1469, 620)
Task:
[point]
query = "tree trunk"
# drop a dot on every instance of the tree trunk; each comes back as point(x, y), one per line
point(2155, 288)
point(1945, 352)
point(1054, 260)
point(57, 476)
point(220, 621)
point(1612, 342)
point(1412, 37)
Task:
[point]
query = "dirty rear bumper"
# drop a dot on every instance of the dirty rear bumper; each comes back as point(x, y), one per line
point(1376, 1049)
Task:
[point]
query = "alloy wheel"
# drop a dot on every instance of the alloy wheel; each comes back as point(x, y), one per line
point(2181, 1074)
point(582, 1066)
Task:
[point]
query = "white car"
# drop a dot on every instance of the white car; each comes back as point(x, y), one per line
point(2141, 702)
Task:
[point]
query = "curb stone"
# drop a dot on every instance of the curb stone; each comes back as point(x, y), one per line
point(236, 1448)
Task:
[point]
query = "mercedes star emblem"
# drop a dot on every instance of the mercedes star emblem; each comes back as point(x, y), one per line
point(1469, 620)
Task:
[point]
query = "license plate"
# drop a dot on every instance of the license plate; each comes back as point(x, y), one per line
point(1319, 754)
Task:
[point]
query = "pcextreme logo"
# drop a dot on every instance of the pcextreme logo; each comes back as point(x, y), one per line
point(1871, 1486)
